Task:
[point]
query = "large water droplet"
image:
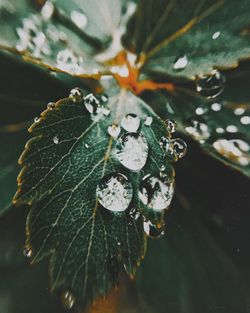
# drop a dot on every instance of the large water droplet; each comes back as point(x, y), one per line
point(130, 123)
point(68, 300)
point(179, 148)
point(156, 192)
point(180, 63)
point(132, 151)
point(211, 85)
point(76, 95)
point(152, 230)
point(114, 130)
point(114, 192)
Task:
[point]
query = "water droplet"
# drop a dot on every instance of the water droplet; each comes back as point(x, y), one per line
point(180, 63)
point(130, 122)
point(36, 119)
point(76, 95)
point(199, 111)
point(132, 151)
point(233, 149)
point(148, 121)
point(153, 231)
point(47, 10)
point(56, 140)
point(114, 192)
point(232, 129)
point(179, 148)
point(216, 35)
point(27, 252)
point(68, 300)
point(134, 214)
point(245, 120)
point(197, 130)
point(171, 125)
point(220, 130)
point(79, 19)
point(114, 130)
point(91, 103)
point(51, 105)
point(216, 107)
point(239, 111)
point(156, 192)
point(86, 145)
point(211, 85)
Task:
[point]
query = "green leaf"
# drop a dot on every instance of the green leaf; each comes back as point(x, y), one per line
point(207, 33)
point(70, 152)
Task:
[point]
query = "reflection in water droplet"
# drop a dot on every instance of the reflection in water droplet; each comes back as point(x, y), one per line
point(216, 35)
point(179, 148)
point(198, 131)
point(114, 130)
point(56, 140)
point(79, 19)
point(51, 105)
point(132, 151)
point(130, 122)
point(134, 214)
point(231, 129)
point(114, 192)
point(216, 107)
point(76, 95)
point(156, 192)
point(180, 63)
point(171, 125)
point(210, 85)
point(235, 150)
point(148, 121)
point(68, 300)
point(152, 231)
point(245, 120)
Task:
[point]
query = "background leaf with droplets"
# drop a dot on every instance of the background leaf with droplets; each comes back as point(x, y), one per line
point(199, 35)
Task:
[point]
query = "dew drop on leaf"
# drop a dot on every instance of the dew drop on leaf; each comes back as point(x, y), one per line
point(210, 85)
point(76, 95)
point(199, 131)
point(56, 140)
point(152, 230)
point(232, 129)
point(171, 125)
point(91, 103)
point(179, 148)
point(156, 192)
point(134, 214)
point(36, 119)
point(47, 10)
point(245, 120)
point(216, 35)
point(79, 19)
point(51, 105)
point(216, 107)
point(180, 63)
point(239, 111)
point(132, 151)
point(165, 144)
point(148, 121)
point(130, 123)
point(114, 192)
point(68, 300)
point(114, 130)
